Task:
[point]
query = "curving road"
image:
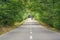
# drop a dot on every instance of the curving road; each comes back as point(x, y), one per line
point(30, 30)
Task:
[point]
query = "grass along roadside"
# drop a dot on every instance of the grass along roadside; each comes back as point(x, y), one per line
point(47, 26)
point(9, 28)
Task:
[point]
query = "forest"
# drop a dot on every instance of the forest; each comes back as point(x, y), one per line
point(46, 11)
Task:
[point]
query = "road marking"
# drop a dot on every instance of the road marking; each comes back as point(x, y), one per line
point(30, 37)
point(30, 32)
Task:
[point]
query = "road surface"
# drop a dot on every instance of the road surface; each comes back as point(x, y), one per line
point(30, 30)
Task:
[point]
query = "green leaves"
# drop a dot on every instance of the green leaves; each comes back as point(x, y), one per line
point(11, 11)
point(49, 11)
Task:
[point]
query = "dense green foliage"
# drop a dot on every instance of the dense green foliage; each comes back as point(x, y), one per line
point(11, 11)
point(47, 11)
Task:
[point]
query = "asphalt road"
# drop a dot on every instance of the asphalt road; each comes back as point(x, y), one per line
point(30, 30)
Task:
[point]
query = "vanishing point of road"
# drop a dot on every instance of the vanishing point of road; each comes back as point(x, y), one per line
point(31, 30)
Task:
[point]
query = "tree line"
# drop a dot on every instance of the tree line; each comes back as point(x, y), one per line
point(11, 11)
point(47, 11)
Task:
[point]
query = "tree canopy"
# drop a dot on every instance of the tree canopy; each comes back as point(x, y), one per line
point(47, 11)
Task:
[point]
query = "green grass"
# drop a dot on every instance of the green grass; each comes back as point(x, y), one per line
point(9, 28)
point(47, 26)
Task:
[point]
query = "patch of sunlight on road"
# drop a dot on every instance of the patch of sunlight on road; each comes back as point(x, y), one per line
point(29, 23)
point(31, 20)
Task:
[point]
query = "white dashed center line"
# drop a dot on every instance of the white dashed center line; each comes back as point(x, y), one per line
point(30, 32)
point(30, 37)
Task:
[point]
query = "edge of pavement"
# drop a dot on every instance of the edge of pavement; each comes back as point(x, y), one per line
point(12, 29)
